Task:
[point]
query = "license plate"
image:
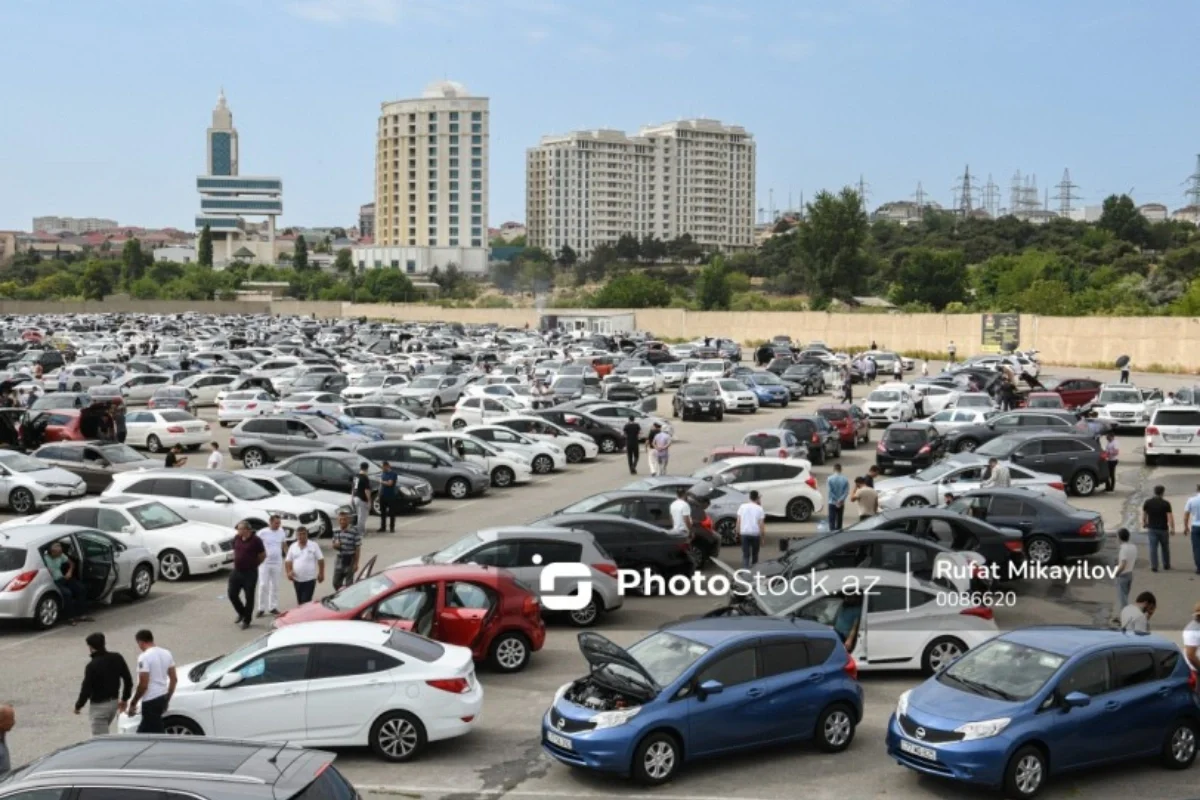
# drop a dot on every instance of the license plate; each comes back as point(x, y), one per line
point(927, 753)
point(559, 741)
point(899, 463)
point(1177, 437)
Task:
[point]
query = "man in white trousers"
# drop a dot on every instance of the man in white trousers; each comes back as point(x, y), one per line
point(651, 453)
point(270, 571)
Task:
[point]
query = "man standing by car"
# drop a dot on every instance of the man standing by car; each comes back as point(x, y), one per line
point(633, 435)
point(1112, 454)
point(752, 527)
point(387, 499)
point(998, 476)
point(1159, 521)
point(270, 571)
point(107, 685)
point(305, 566)
point(62, 570)
point(347, 543)
point(248, 554)
point(1191, 523)
point(1135, 617)
point(156, 683)
point(866, 497)
point(360, 495)
point(117, 409)
point(215, 459)
point(1126, 559)
point(839, 491)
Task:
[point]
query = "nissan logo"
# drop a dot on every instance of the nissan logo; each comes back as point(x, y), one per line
point(920, 731)
point(562, 723)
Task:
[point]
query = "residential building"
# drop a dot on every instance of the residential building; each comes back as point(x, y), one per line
point(366, 221)
point(8, 245)
point(1154, 212)
point(1187, 214)
point(179, 254)
point(72, 224)
point(695, 176)
point(1087, 213)
point(431, 181)
point(510, 231)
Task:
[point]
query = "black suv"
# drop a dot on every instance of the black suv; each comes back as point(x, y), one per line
point(909, 446)
point(1077, 457)
point(698, 400)
point(965, 438)
point(810, 376)
point(822, 439)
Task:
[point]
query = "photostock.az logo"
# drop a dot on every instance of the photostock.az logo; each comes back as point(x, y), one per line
point(570, 570)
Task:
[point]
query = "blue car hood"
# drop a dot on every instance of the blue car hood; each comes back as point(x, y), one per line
point(935, 700)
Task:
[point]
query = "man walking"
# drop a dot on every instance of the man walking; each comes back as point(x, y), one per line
point(1125, 372)
point(662, 450)
point(215, 459)
point(107, 685)
point(633, 435)
point(387, 499)
point(998, 476)
point(839, 490)
point(1159, 521)
point(248, 554)
point(681, 513)
point(752, 526)
point(156, 683)
point(1135, 617)
point(62, 379)
point(1191, 524)
point(8, 719)
point(897, 370)
point(360, 496)
point(347, 543)
point(305, 565)
point(866, 497)
point(1112, 454)
point(1126, 559)
point(270, 571)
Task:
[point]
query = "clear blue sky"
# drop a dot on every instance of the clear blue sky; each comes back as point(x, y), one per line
point(105, 102)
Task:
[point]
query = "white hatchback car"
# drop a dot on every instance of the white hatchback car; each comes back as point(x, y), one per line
point(332, 684)
point(786, 486)
point(544, 457)
point(480, 410)
point(577, 446)
point(736, 396)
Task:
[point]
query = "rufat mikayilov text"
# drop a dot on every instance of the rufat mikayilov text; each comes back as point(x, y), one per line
point(1023, 571)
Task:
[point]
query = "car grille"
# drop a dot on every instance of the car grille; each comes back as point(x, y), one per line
point(227, 546)
point(309, 518)
point(1122, 415)
point(930, 735)
point(561, 723)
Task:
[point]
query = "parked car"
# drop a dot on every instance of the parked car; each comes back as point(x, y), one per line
point(329, 505)
point(1172, 431)
point(139, 387)
point(851, 423)
point(1053, 530)
point(105, 566)
point(776, 442)
point(544, 457)
point(504, 466)
point(95, 461)
point(736, 396)
point(260, 440)
point(811, 377)
point(1002, 547)
point(449, 475)
point(28, 484)
point(242, 405)
point(1036, 703)
point(479, 410)
point(821, 440)
point(631, 542)
point(909, 446)
point(1044, 400)
point(161, 430)
point(731, 451)
point(393, 420)
point(786, 487)
point(576, 446)
point(692, 690)
point(965, 438)
point(1122, 405)
point(79, 378)
point(956, 475)
point(485, 609)
point(372, 384)
point(701, 400)
point(1075, 392)
point(336, 472)
point(951, 418)
point(1077, 458)
point(205, 387)
point(438, 391)
point(891, 402)
point(721, 503)
point(609, 438)
point(767, 388)
point(65, 425)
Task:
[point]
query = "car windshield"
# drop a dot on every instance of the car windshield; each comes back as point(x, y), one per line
point(294, 484)
point(1000, 447)
point(766, 379)
point(904, 436)
point(696, 390)
point(223, 664)
point(936, 472)
point(241, 488)
point(568, 383)
point(156, 516)
point(121, 454)
point(943, 416)
point(883, 397)
point(371, 380)
point(1003, 669)
point(711, 366)
point(586, 504)
point(833, 414)
point(640, 372)
point(1132, 396)
point(176, 416)
point(763, 440)
point(455, 551)
point(356, 594)
point(20, 463)
point(323, 427)
point(733, 386)
point(664, 656)
point(973, 400)
point(673, 368)
point(426, 383)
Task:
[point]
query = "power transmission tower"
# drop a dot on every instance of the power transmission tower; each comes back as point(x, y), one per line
point(965, 193)
point(864, 191)
point(1193, 184)
point(991, 198)
point(920, 196)
point(1066, 194)
point(1029, 199)
point(1016, 195)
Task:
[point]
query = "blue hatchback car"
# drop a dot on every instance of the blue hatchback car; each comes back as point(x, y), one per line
point(1041, 701)
point(701, 688)
point(768, 388)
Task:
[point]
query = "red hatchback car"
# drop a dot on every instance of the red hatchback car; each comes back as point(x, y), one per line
point(483, 608)
point(851, 422)
point(67, 425)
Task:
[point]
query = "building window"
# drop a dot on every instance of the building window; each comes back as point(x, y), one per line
point(453, 208)
point(476, 127)
point(453, 128)
point(432, 176)
point(453, 220)
point(454, 242)
point(476, 173)
point(477, 208)
point(453, 197)
point(476, 243)
point(476, 116)
point(454, 162)
point(453, 174)
point(476, 139)
point(453, 150)
point(476, 231)
point(476, 184)
point(476, 197)
point(476, 151)
point(454, 231)
point(395, 263)
point(412, 242)
point(433, 163)
point(476, 220)
point(454, 186)
point(477, 162)
point(378, 263)
point(432, 208)
point(433, 197)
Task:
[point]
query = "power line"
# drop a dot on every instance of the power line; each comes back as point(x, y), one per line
point(864, 191)
point(1016, 196)
point(1193, 184)
point(1066, 194)
point(991, 198)
point(920, 196)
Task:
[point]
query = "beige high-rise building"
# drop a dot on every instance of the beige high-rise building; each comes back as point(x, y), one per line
point(431, 182)
point(693, 176)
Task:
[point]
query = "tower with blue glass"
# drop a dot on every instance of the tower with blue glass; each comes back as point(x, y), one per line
point(226, 197)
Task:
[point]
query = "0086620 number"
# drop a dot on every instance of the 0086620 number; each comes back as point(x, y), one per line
point(975, 599)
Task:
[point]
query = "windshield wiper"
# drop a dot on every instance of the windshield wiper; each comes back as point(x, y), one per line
point(982, 688)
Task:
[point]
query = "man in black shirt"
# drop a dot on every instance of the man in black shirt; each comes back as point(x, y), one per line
point(1159, 522)
point(175, 457)
point(107, 685)
point(361, 495)
point(633, 432)
point(872, 474)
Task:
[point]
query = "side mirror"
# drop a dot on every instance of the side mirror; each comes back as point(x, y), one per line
point(221, 499)
point(127, 529)
point(229, 680)
point(709, 687)
point(1076, 700)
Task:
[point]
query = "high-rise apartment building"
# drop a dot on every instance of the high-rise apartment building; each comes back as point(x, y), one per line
point(693, 176)
point(431, 182)
point(366, 221)
point(72, 224)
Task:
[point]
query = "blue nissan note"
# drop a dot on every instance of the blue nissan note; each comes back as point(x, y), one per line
point(701, 688)
point(1041, 701)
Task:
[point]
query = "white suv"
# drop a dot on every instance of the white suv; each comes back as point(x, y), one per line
point(1173, 431)
point(1123, 405)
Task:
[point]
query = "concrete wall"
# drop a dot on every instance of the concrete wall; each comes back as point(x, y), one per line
point(112, 305)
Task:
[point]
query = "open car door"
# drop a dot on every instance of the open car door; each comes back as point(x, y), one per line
point(464, 613)
point(367, 570)
point(97, 560)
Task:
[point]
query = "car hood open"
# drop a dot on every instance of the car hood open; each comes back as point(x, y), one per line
point(600, 652)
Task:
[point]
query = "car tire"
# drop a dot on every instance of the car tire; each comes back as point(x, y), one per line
point(141, 582)
point(1083, 483)
point(854, 442)
point(153, 444)
point(1179, 745)
point(172, 566)
point(966, 446)
point(835, 728)
point(608, 444)
point(656, 759)
point(78, 387)
point(726, 529)
point(1025, 774)
point(575, 454)
point(503, 477)
point(223, 424)
point(181, 726)
point(191, 448)
point(253, 457)
point(457, 489)
point(542, 465)
point(436, 405)
point(1041, 550)
point(21, 501)
point(819, 458)
point(397, 736)
point(675, 411)
point(587, 616)
point(47, 611)
point(914, 502)
point(799, 509)
point(720, 416)
point(940, 652)
point(458, 424)
point(509, 652)
point(326, 524)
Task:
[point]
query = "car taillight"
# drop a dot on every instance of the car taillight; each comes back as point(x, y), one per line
point(1103, 455)
point(174, 429)
point(182, 404)
point(1192, 679)
point(783, 453)
point(1088, 528)
point(451, 685)
point(851, 667)
point(1152, 431)
point(21, 581)
point(304, 407)
point(251, 405)
point(1015, 546)
point(924, 450)
point(607, 567)
point(816, 439)
point(1059, 485)
point(983, 612)
point(531, 607)
point(811, 481)
point(232, 441)
point(880, 448)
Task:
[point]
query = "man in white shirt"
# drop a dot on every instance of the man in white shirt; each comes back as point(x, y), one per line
point(215, 459)
point(998, 476)
point(156, 683)
point(270, 571)
point(1191, 639)
point(305, 565)
point(1135, 617)
point(1126, 559)
point(681, 513)
point(752, 527)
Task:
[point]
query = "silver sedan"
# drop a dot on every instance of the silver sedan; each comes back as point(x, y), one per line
point(961, 472)
point(392, 420)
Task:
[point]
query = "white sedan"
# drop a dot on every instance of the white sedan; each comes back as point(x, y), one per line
point(544, 457)
point(205, 387)
point(328, 504)
point(373, 384)
point(935, 398)
point(505, 468)
point(311, 403)
point(392, 420)
point(481, 409)
point(182, 547)
point(577, 446)
point(333, 684)
point(161, 430)
point(956, 474)
point(648, 380)
point(237, 406)
point(946, 420)
point(892, 402)
point(786, 486)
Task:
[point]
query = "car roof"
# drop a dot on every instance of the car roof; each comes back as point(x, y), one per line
point(1069, 640)
point(776, 432)
point(743, 460)
point(35, 533)
point(915, 425)
point(442, 572)
point(331, 631)
point(528, 531)
point(725, 630)
point(1177, 407)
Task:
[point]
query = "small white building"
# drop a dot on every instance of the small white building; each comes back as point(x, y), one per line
point(178, 254)
point(1187, 214)
point(586, 322)
point(1154, 212)
point(421, 260)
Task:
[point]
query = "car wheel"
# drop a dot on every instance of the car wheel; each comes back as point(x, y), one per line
point(509, 652)
point(1041, 550)
point(966, 446)
point(326, 523)
point(800, 509)
point(854, 442)
point(253, 458)
point(172, 566)
point(819, 458)
point(543, 465)
point(436, 405)
point(720, 416)
point(607, 444)
point(940, 652)
point(181, 726)
point(223, 424)
point(1026, 773)
point(143, 579)
point(153, 444)
point(575, 454)
point(458, 424)
point(914, 502)
point(503, 477)
point(1084, 483)
point(656, 759)
point(77, 387)
point(835, 728)
point(586, 616)
point(675, 411)
point(21, 501)
point(1179, 746)
point(457, 488)
point(47, 611)
point(397, 736)
point(727, 529)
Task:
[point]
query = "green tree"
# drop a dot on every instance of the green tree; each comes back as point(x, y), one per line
point(204, 250)
point(300, 254)
point(632, 290)
point(687, 250)
point(933, 277)
point(386, 286)
point(96, 282)
point(831, 245)
point(344, 263)
point(1120, 217)
point(627, 247)
point(567, 256)
point(713, 291)
point(652, 250)
point(133, 262)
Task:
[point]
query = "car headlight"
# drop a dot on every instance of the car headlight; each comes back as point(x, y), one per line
point(902, 703)
point(283, 515)
point(205, 548)
point(984, 729)
point(405, 490)
point(611, 719)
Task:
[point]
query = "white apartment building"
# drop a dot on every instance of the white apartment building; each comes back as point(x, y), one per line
point(693, 176)
point(431, 181)
point(72, 224)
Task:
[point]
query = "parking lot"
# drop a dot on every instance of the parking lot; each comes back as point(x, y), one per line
point(503, 756)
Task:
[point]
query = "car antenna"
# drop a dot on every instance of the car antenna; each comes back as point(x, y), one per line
point(274, 759)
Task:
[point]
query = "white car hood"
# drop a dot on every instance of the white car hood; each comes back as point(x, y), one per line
point(55, 475)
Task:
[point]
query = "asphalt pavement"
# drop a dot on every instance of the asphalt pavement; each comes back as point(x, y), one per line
point(502, 757)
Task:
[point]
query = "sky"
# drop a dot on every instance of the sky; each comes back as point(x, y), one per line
point(105, 103)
